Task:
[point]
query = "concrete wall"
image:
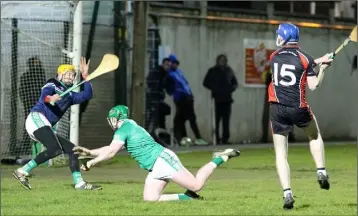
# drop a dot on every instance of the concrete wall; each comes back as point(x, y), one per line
point(334, 103)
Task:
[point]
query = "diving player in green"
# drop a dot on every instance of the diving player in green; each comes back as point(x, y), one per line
point(163, 164)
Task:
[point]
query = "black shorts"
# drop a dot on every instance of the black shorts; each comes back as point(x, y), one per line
point(283, 118)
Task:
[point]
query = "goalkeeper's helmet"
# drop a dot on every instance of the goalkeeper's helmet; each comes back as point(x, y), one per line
point(66, 74)
point(287, 33)
point(116, 114)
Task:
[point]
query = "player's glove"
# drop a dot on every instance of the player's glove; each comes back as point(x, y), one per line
point(85, 167)
point(82, 151)
point(84, 160)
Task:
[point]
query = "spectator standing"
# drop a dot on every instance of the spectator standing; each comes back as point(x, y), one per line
point(221, 81)
point(156, 108)
point(31, 83)
point(179, 88)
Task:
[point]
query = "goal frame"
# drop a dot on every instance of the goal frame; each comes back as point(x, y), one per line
point(76, 53)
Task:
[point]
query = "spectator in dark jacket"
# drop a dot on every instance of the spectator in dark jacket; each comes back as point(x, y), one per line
point(179, 88)
point(221, 80)
point(156, 108)
point(31, 83)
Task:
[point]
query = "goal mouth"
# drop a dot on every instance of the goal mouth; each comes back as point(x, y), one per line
point(31, 29)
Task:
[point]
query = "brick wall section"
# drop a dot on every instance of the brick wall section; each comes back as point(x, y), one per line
point(94, 130)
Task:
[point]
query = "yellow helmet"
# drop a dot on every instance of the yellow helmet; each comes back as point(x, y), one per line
point(65, 67)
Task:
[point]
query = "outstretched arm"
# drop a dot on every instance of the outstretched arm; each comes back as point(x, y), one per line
point(313, 79)
point(316, 80)
point(106, 152)
point(101, 154)
point(82, 96)
point(324, 59)
point(87, 92)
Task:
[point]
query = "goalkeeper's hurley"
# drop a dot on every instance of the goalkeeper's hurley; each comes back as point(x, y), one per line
point(44, 115)
point(162, 164)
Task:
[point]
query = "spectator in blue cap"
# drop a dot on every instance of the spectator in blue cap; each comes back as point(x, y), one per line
point(179, 88)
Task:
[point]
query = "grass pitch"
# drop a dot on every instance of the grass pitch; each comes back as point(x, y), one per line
point(244, 186)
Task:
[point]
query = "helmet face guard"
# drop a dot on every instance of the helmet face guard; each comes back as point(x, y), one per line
point(66, 74)
point(68, 78)
point(112, 122)
point(116, 115)
point(280, 42)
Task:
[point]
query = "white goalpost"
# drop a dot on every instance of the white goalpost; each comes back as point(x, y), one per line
point(77, 52)
point(36, 37)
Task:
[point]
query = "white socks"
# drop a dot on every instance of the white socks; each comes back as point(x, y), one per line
point(287, 191)
point(322, 170)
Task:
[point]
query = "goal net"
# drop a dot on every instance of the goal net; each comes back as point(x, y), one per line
point(34, 38)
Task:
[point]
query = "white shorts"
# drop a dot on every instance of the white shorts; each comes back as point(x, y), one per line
point(34, 121)
point(165, 166)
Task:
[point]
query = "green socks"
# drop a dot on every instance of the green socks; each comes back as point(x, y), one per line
point(184, 197)
point(29, 166)
point(77, 177)
point(217, 160)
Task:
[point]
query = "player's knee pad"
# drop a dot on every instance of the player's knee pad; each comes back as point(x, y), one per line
point(49, 139)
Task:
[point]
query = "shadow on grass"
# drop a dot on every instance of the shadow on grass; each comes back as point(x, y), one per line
point(111, 182)
point(348, 204)
point(303, 206)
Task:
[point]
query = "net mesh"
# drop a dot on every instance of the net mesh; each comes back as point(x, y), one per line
point(32, 37)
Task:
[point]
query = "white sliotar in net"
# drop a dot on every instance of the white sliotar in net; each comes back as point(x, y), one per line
point(36, 38)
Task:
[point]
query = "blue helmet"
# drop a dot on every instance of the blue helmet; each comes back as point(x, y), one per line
point(287, 33)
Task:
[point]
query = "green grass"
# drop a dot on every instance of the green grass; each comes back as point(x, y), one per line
point(245, 186)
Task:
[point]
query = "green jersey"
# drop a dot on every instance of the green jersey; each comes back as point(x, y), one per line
point(139, 143)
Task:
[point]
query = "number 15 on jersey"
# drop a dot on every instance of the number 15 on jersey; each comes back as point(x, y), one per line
point(284, 75)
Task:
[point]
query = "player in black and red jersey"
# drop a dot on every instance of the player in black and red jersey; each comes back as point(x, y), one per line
point(291, 69)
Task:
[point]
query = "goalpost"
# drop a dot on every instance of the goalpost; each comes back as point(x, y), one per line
point(36, 37)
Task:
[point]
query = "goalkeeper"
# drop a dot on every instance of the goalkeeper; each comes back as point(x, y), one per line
point(163, 164)
point(44, 115)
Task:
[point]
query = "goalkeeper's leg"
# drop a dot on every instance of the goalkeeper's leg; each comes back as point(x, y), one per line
point(75, 166)
point(53, 148)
